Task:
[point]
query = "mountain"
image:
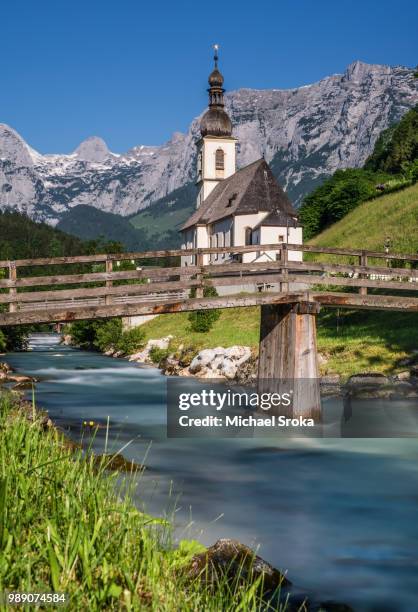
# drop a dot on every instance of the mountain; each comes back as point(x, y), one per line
point(305, 134)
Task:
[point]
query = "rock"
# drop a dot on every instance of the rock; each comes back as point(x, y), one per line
point(330, 379)
point(66, 339)
point(5, 368)
point(143, 355)
point(117, 463)
point(368, 379)
point(19, 378)
point(414, 371)
point(406, 375)
point(235, 561)
point(161, 343)
point(229, 369)
point(202, 359)
point(220, 362)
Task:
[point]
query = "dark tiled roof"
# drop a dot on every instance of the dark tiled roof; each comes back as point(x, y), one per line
point(250, 190)
point(278, 219)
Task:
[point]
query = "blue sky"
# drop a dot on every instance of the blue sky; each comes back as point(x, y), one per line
point(134, 72)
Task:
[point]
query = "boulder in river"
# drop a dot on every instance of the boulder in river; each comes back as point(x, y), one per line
point(235, 561)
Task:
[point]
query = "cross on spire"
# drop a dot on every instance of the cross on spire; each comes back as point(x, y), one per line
point(215, 56)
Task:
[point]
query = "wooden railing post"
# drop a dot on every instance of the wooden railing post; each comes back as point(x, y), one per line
point(199, 275)
point(284, 257)
point(109, 283)
point(12, 290)
point(363, 262)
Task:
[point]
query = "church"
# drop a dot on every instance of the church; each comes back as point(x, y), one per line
point(235, 207)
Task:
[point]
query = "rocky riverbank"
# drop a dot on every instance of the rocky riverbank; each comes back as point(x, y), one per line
point(239, 364)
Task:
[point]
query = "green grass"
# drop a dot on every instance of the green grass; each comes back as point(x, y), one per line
point(394, 215)
point(67, 525)
point(351, 341)
point(235, 326)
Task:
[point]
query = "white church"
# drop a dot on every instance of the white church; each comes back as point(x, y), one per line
point(235, 207)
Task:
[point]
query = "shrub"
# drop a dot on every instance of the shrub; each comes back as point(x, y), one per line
point(83, 333)
point(108, 335)
point(131, 340)
point(14, 338)
point(202, 320)
point(157, 354)
point(2, 341)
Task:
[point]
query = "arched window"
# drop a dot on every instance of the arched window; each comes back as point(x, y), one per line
point(219, 159)
point(248, 236)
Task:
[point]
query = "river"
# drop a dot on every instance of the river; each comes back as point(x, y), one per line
point(341, 515)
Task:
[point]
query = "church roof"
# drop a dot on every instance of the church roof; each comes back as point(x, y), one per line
point(278, 219)
point(250, 190)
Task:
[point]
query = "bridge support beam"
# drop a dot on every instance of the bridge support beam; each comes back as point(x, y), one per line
point(288, 355)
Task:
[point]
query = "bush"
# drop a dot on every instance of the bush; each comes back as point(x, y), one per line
point(157, 354)
point(131, 341)
point(108, 334)
point(105, 335)
point(2, 341)
point(14, 338)
point(83, 333)
point(202, 320)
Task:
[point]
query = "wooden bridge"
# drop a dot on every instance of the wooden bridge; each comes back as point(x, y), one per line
point(289, 292)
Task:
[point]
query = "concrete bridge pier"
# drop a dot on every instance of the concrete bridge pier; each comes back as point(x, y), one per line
point(288, 356)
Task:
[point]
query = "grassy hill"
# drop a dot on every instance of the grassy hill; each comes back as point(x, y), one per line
point(351, 341)
point(394, 215)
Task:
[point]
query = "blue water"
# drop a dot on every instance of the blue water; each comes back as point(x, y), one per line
point(341, 515)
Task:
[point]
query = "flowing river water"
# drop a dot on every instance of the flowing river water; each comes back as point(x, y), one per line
point(341, 515)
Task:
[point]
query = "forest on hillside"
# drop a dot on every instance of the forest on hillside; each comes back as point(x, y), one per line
point(393, 165)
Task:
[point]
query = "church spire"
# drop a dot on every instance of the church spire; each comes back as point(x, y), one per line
point(215, 122)
point(216, 81)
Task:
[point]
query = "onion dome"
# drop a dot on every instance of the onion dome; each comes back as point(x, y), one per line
point(216, 122)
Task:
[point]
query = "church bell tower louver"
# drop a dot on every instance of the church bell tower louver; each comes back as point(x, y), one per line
point(216, 148)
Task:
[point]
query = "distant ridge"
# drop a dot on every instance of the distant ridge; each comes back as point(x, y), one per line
point(305, 134)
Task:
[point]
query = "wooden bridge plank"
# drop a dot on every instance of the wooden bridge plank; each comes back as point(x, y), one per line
point(62, 294)
point(127, 310)
point(305, 248)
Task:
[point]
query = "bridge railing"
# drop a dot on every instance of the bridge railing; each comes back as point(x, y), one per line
point(174, 282)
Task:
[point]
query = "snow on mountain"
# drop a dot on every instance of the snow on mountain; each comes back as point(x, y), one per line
point(305, 134)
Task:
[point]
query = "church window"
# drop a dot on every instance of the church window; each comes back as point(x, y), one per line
point(281, 238)
point(248, 236)
point(219, 159)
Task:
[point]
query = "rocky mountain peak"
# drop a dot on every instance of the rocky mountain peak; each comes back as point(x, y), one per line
point(304, 133)
point(93, 149)
point(13, 148)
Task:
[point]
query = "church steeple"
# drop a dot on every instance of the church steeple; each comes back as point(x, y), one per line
point(216, 149)
point(216, 122)
point(216, 81)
